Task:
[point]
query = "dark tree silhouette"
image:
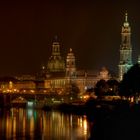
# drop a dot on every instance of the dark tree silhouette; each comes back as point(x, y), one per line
point(113, 86)
point(101, 88)
point(73, 90)
point(130, 85)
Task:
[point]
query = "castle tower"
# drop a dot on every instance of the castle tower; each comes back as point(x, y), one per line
point(70, 65)
point(138, 59)
point(125, 49)
point(56, 63)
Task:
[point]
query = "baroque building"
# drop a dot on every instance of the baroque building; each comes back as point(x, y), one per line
point(125, 49)
point(60, 74)
point(56, 63)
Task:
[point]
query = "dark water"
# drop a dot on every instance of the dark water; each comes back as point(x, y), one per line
point(30, 124)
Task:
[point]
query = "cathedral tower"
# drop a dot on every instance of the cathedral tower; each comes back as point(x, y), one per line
point(56, 63)
point(125, 49)
point(70, 65)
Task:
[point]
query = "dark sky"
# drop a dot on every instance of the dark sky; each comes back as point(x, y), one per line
point(91, 28)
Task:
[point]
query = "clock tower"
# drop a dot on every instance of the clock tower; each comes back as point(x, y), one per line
point(125, 49)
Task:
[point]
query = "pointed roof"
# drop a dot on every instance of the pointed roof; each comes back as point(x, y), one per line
point(126, 23)
point(70, 49)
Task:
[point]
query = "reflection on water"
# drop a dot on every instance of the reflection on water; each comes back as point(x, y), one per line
point(18, 123)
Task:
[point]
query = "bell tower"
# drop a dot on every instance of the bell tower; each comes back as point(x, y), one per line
point(125, 49)
point(70, 65)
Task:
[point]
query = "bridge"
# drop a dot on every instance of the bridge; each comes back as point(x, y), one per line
point(7, 99)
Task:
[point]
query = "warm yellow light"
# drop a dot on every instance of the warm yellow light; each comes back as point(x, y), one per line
point(85, 126)
point(86, 97)
point(32, 91)
point(24, 90)
point(132, 99)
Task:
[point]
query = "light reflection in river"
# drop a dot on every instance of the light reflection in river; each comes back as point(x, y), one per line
point(18, 123)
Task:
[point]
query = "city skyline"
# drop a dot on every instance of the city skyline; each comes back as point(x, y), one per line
point(91, 29)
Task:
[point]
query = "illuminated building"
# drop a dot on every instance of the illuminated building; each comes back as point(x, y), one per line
point(138, 59)
point(59, 74)
point(87, 79)
point(70, 65)
point(56, 63)
point(125, 49)
point(23, 83)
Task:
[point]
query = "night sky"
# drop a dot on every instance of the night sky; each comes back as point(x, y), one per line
point(91, 28)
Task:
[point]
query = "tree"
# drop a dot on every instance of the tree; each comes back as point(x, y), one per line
point(72, 90)
point(101, 88)
point(130, 85)
point(113, 86)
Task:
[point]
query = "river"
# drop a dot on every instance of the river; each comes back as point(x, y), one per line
point(31, 124)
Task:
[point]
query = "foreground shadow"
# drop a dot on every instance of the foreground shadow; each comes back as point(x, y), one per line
point(117, 121)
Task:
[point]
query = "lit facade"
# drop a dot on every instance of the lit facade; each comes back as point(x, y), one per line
point(56, 63)
point(125, 49)
point(24, 83)
point(58, 76)
point(70, 65)
point(59, 79)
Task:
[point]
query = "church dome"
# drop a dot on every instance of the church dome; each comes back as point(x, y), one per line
point(56, 63)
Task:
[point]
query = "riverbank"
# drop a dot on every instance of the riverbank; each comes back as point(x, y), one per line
point(108, 120)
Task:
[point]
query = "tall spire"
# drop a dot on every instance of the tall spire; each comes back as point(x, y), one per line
point(126, 16)
point(126, 23)
point(70, 50)
point(125, 48)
